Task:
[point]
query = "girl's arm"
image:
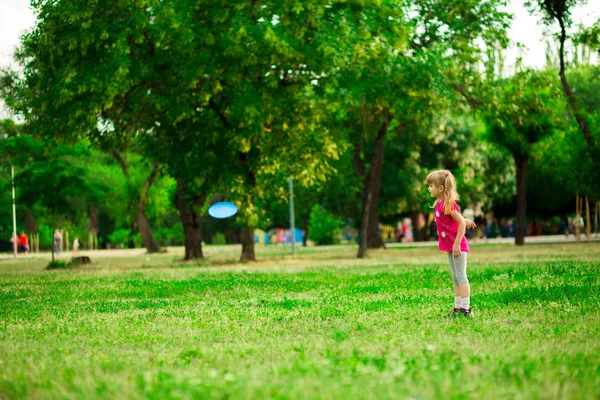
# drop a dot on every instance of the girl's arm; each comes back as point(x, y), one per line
point(459, 235)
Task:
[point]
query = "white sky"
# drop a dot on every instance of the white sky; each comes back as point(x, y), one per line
point(16, 18)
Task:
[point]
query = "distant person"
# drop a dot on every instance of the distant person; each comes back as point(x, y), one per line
point(480, 221)
point(57, 240)
point(14, 239)
point(469, 214)
point(407, 228)
point(451, 227)
point(23, 243)
point(399, 232)
point(75, 246)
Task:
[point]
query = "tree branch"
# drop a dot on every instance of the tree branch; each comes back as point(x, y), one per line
point(121, 162)
point(474, 103)
point(151, 178)
point(221, 116)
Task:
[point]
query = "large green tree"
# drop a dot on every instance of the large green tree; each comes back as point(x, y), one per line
point(523, 110)
point(560, 12)
point(399, 82)
point(86, 73)
point(563, 159)
point(49, 176)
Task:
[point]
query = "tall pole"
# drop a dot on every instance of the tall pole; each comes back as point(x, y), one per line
point(12, 172)
point(292, 226)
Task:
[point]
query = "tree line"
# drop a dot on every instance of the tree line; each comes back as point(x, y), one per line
point(356, 101)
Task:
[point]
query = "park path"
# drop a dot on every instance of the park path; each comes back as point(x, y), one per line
point(179, 250)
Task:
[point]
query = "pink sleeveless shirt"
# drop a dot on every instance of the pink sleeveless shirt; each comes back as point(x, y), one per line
point(447, 229)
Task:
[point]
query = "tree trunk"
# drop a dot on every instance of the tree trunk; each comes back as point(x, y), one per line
point(596, 216)
point(30, 225)
point(142, 222)
point(93, 229)
point(371, 192)
point(247, 238)
point(143, 226)
point(191, 223)
point(579, 116)
point(521, 163)
point(364, 221)
point(360, 171)
point(374, 234)
point(588, 221)
point(425, 230)
point(417, 233)
point(52, 233)
point(248, 244)
point(577, 218)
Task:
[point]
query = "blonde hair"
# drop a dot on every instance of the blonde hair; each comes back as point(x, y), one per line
point(443, 177)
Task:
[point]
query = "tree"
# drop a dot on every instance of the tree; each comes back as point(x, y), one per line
point(563, 159)
point(454, 140)
point(264, 62)
point(524, 110)
point(401, 82)
point(47, 176)
point(81, 78)
point(559, 11)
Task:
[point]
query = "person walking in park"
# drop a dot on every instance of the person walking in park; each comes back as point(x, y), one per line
point(75, 246)
point(57, 239)
point(469, 214)
point(14, 239)
point(480, 222)
point(451, 228)
point(23, 243)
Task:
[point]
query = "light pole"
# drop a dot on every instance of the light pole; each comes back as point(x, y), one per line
point(12, 172)
point(292, 226)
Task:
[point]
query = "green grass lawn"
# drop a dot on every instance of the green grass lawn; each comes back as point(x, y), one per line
point(321, 324)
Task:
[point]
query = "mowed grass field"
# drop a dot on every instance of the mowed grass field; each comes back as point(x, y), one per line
point(319, 325)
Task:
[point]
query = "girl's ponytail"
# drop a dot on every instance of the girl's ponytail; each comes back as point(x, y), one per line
point(450, 193)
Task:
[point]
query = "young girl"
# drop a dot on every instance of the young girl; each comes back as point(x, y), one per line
point(451, 228)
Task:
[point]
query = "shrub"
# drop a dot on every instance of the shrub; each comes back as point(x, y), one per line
point(324, 227)
point(56, 264)
point(169, 236)
point(138, 243)
point(219, 238)
point(45, 233)
point(119, 236)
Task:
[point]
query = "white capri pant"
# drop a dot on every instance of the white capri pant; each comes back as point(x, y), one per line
point(459, 269)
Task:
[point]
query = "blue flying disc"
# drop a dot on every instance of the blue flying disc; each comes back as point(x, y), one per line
point(223, 209)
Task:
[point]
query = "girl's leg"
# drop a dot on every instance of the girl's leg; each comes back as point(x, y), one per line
point(463, 289)
point(457, 297)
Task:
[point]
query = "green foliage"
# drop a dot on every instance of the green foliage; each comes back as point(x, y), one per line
point(563, 159)
point(589, 37)
point(219, 238)
point(324, 226)
point(57, 264)
point(169, 236)
point(235, 98)
point(137, 240)
point(524, 109)
point(46, 236)
point(120, 237)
